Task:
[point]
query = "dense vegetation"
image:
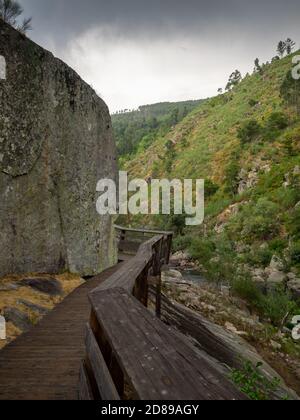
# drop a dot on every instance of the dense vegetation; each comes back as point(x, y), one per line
point(136, 130)
point(246, 144)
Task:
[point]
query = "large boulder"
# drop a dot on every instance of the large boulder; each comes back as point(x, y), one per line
point(276, 278)
point(56, 142)
point(48, 286)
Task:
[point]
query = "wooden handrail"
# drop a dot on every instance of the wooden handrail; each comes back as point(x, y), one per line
point(130, 353)
point(145, 231)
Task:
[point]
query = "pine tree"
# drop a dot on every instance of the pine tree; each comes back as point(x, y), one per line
point(258, 68)
point(281, 48)
point(234, 79)
point(290, 44)
point(290, 91)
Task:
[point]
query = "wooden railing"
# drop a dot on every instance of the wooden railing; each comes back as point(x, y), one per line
point(129, 240)
point(130, 353)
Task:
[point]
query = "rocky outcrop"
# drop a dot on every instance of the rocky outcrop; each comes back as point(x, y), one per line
point(51, 287)
point(18, 318)
point(56, 142)
point(222, 328)
point(249, 179)
point(293, 285)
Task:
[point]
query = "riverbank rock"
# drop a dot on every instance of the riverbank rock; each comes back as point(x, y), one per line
point(40, 310)
point(182, 260)
point(173, 276)
point(276, 264)
point(56, 143)
point(231, 328)
point(9, 287)
point(276, 278)
point(48, 286)
point(18, 318)
point(223, 347)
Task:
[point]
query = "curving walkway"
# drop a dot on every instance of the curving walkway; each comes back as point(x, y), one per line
point(44, 363)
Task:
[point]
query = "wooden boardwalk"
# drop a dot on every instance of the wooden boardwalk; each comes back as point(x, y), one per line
point(102, 342)
point(43, 364)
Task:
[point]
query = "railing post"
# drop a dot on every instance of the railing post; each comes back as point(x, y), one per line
point(156, 271)
point(168, 248)
point(141, 287)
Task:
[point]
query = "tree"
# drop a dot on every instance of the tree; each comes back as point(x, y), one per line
point(234, 79)
point(10, 11)
point(290, 91)
point(276, 58)
point(249, 131)
point(281, 48)
point(289, 44)
point(258, 68)
point(220, 91)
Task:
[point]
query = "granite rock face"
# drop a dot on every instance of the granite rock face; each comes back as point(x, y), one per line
point(56, 142)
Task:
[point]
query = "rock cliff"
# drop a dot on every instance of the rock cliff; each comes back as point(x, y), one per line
point(56, 142)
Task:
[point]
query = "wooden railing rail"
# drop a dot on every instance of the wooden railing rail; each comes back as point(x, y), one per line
point(129, 240)
point(130, 353)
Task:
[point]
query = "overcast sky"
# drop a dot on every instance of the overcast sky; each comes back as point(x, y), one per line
point(136, 52)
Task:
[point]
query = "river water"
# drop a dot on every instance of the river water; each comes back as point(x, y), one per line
point(193, 276)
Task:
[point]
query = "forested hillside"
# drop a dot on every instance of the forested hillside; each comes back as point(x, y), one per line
point(246, 145)
point(136, 130)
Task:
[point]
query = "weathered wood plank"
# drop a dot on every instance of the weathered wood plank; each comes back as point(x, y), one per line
point(102, 375)
point(44, 363)
point(156, 364)
point(85, 389)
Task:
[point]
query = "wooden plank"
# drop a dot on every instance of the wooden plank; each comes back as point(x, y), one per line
point(193, 367)
point(157, 364)
point(126, 277)
point(101, 373)
point(85, 389)
point(45, 362)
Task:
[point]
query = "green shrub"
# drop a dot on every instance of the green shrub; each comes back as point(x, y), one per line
point(286, 197)
point(291, 141)
point(244, 287)
point(181, 243)
point(275, 124)
point(232, 178)
point(249, 132)
point(256, 221)
point(276, 305)
point(278, 245)
point(201, 250)
point(253, 383)
point(295, 253)
point(277, 120)
point(253, 102)
point(210, 188)
point(176, 223)
point(222, 265)
point(293, 223)
point(260, 256)
point(261, 221)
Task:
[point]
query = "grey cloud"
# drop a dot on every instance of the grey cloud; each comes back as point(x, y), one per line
point(63, 19)
point(141, 51)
